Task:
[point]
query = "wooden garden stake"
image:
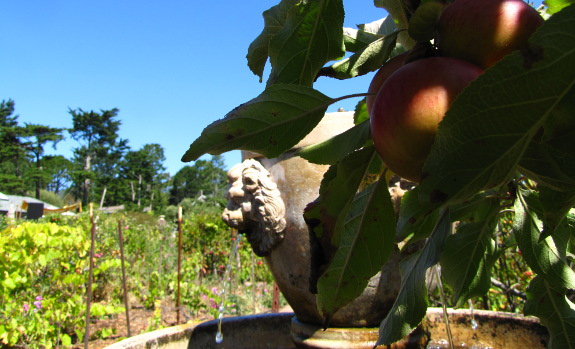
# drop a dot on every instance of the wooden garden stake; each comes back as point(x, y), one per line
point(90, 277)
point(124, 277)
point(254, 282)
point(276, 299)
point(179, 263)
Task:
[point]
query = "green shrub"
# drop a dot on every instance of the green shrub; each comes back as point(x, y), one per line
point(52, 198)
point(44, 269)
point(49, 259)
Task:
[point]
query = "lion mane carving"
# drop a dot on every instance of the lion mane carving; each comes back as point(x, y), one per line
point(255, 206)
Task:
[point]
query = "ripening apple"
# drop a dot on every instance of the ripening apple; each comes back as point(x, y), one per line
point(379, 78)
point(409, 106)
point(484, 31)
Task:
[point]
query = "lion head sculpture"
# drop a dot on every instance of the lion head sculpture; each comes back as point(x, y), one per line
point(255, 206)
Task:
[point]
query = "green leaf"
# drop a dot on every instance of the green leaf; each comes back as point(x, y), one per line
point(269, 124)
point(365, 60)
point(336, 148)
point(8, 283)
point(554, 310)
point(42, 260)
point(549, 158)
point(554, 6)
point(360, 113)
point(311, 37)
point(468, 257)
point(326, 216)
point(66, 340)
point(411, 303)
point(422, 23)
point(490, 124)
point(415, 221)
point(79, 334)
point(366, 243)
point(545, 257)
point(274, 20)
point(339, 187)
point(356, 40)
point(400, 14)
point(551, 164)
point(383, 26)
point(478, 209)
point(555, 206)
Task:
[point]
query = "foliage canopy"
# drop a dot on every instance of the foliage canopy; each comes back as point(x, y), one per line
point(505, 145)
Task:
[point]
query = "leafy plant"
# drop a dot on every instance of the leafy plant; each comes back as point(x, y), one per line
point(503, 152)
point(44, 273)
point(44, 269)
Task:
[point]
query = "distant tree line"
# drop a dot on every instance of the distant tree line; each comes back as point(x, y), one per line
point(103, 168)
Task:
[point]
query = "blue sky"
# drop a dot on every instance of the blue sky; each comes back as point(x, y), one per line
point(170, 67)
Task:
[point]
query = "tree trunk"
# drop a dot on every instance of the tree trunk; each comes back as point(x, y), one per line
point(133, 192)
point(86, 186)
point(38, 171)
point(103, 197)
point(139, 188)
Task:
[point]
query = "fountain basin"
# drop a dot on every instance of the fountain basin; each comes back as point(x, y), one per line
point(282, 330)
point(253, 331)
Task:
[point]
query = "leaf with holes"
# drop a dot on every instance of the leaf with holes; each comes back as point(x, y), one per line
point(311, 37)
point(274, 20)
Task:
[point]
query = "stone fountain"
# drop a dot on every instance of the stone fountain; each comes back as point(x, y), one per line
point(266, 200)
point(494, 330)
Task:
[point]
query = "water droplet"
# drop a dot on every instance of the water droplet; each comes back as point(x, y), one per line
point(222, 307)
point(219, 337)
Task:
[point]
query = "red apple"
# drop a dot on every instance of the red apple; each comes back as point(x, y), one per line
point(379, 78)
point(483, 31)
point(409, 106)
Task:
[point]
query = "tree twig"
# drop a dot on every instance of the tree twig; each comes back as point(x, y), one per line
point(508, 289)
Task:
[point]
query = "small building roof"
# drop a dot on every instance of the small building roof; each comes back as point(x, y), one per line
point(17, 200)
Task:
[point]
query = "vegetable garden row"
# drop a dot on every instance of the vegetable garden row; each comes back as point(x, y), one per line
point(45, 287)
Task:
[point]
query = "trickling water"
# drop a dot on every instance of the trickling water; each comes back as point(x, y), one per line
point(222, 307)
point(474, 323)
point(444, 305)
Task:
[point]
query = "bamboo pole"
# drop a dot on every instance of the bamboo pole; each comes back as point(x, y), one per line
point(90, 278)
point(179, 263)
point(124, 281)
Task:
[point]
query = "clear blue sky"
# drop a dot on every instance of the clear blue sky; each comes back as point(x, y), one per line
point(170, 67)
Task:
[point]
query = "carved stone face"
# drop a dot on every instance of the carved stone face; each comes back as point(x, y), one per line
point(255, 206)
point(233, 215)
